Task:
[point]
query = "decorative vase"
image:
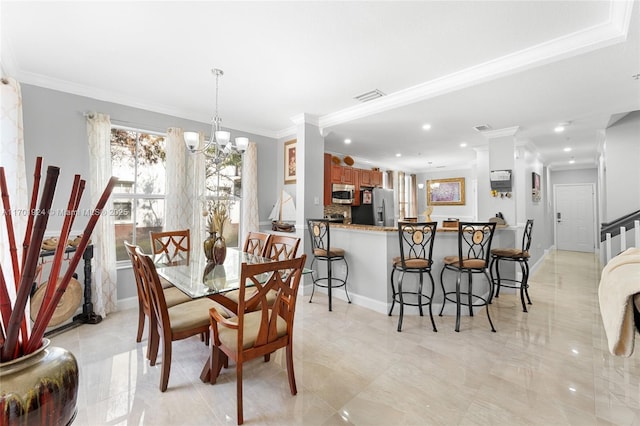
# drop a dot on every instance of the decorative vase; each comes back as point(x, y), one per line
point(207, 245)
point(219, 250)
point(40, 388)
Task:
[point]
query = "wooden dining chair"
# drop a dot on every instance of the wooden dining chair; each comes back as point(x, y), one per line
point(176, 322)
point(278, 247)
point(171, 247)
point(281, 247)
point(256, 243)
point(172, 295)
point(257, 333)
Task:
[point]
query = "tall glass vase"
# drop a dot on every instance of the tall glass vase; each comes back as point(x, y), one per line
point(219, 250)
point(207, 246)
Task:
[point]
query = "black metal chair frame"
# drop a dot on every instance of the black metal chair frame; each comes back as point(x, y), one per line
point(522, 260)
point(321, 243)
point(474, 242)
point(416, 248)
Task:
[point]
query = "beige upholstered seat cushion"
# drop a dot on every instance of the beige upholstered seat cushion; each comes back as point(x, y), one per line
point(174, 297)
point(229, 337)
point(466, 262)
point(510, 252)
point(250, 291)
point(413, 263)
point(333, 252)
point(165, 283)
point(193, 314)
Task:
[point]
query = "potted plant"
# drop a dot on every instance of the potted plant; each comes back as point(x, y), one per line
point(38, 382)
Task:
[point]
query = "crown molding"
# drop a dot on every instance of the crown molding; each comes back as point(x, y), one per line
point(614, 30)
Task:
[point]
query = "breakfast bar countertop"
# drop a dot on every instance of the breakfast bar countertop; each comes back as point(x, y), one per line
point(392, 228)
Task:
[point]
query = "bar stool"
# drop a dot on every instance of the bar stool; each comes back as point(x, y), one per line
point(474, 249)
point(521, 256)
point(416, 248)
point(320, 234)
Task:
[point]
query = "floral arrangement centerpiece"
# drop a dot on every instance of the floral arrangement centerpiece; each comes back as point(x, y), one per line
point(217, 213)
point(50, 389)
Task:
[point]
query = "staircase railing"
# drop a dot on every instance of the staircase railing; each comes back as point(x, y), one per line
point(619, 227)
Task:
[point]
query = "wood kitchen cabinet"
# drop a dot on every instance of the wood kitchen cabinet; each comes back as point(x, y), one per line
point(376, 178)
point(341, 174)
point(365, 178)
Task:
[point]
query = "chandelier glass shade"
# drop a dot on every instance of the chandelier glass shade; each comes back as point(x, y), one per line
point(218, 147)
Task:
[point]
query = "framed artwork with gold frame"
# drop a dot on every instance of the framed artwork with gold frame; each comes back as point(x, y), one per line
point(290, 161)
point(445, 192)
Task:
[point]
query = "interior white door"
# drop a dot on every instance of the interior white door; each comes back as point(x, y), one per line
point(574, 217)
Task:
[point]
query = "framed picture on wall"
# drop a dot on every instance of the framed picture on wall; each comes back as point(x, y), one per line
point(290, 161)
point(535, 187)
point(445, 192)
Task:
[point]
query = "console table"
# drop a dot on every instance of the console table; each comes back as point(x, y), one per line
point(87, 316)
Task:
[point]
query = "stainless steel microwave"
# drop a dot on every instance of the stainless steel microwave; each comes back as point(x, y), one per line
point(342, 194)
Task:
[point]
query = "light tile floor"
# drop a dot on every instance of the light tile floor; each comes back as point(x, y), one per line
point(550, 366)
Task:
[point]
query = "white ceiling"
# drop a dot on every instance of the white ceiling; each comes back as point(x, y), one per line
point(452, 64)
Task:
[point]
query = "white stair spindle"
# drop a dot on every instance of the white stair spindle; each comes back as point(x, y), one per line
point(608, 246)
point(623, 239)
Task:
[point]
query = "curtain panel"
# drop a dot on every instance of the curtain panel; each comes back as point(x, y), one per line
point(13, 160)
point(250, 217)
point(185, 182)
point(104, 244)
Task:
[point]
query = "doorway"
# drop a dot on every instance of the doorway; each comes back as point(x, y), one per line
point(574, 217)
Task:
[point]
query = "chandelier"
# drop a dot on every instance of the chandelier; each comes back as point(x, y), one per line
point(219, 146)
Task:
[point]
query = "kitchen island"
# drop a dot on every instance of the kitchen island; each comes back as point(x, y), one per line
point(369, 250)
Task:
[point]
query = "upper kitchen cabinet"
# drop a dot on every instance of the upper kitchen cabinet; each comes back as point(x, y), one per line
point(376, 178)
point(341, 174)
point(370, 178)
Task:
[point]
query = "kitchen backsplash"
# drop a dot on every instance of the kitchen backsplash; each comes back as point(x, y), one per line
point(334, 209)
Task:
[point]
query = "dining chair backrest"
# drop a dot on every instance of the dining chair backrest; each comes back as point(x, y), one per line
point(171, 247)
point(284, 279)
point(256, 243)
point(282, 247)
point(416, 241)
point(136, 263)
point(157, 299)
point(474, 243)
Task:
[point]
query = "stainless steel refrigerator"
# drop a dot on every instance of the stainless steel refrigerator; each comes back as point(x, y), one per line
point(376, 208)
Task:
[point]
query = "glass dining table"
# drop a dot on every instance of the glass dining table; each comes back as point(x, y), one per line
point(200, 278)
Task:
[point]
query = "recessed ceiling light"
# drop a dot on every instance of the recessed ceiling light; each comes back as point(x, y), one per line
point(426, 126)
point(572, 161)
point(398, 155)
point(463, 144)
point(347, 141)
point(567, 149)
point(559, 129)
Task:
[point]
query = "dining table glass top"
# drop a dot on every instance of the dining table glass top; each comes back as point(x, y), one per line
point(200, 278)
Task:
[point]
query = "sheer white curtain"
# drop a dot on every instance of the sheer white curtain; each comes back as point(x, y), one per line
point(104, 244)
point(184, 183)
point(250, 217)
point(13, 160)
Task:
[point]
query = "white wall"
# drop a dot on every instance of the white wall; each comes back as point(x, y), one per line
point(622, 157)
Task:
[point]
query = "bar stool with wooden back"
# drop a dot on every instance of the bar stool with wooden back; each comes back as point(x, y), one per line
point(474, 249)
point(320, 234)
point(416, 248)
point(521, 256)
